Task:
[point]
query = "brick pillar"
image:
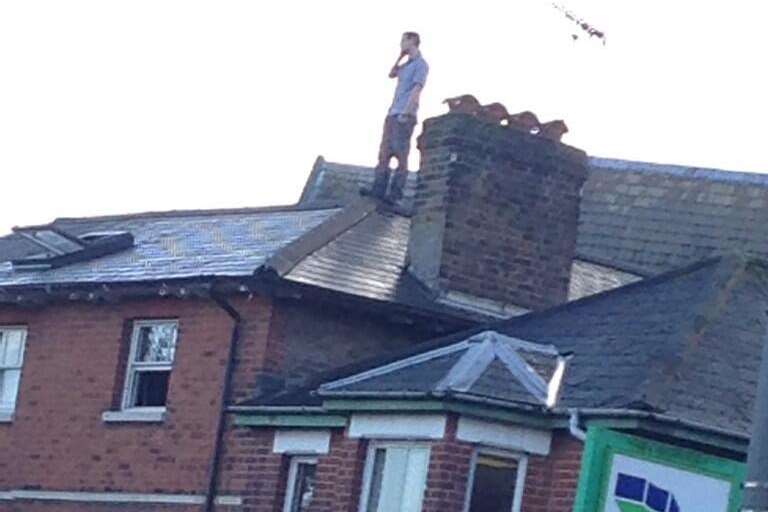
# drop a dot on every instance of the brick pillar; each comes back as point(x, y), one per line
point(496, 212)
point(449, 465)
point(551, 482)
point(339, 475)
point(250, 469)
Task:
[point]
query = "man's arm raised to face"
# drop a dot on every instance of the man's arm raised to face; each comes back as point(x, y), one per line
point(396, 68)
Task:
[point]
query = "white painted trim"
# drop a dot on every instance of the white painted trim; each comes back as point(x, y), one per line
point(24, 331)
point(397, 426)
point(231, 501)
point(556, 382)
point(302, 441)
point(522, 471)
point(470, 481)
point(463, 375)
point(136, 415)
point(397, 365)
point(130, 371)
point(290, 486)
point(117, 497)
point(525, 375)
point(530, 346)
point(499, 435)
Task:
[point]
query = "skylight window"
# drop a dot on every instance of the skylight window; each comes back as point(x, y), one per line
point(59, 248)
point(54, 242)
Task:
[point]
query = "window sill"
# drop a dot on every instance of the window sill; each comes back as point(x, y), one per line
point(6, 416)
point(134, 416)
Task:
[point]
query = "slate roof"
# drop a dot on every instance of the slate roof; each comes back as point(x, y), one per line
point(686, 344)
point(639, 217)
point(363, 253)
point(171, 245)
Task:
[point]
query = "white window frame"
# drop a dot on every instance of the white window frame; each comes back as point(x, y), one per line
point(369, 461)
point(130, 371)
point(7, 414)
point(522, 470)
point(293, 470)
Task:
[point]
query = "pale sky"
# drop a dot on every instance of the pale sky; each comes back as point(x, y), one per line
point(125, 106)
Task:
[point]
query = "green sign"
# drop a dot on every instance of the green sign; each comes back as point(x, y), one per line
point(622, 473)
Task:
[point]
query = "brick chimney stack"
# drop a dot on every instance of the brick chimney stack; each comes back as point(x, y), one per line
point(496, 207)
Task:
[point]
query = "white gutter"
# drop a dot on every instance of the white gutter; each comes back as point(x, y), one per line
point(573, 426)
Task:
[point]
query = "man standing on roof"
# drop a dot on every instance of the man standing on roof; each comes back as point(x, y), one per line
point(401, 119)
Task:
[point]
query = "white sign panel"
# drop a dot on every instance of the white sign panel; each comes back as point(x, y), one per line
point(637, 485)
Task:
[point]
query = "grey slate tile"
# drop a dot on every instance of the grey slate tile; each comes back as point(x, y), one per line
point(173, 245)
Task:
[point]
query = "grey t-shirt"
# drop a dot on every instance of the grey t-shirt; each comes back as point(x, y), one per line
point(411, 73)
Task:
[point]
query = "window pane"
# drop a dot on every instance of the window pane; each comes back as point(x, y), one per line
point(9, 387)
point(398, 479)
point(393, 479)
point(13, 347)
point(304, 487)
point(150, 389)
point(415, 479)
point(156, 343)
point(493, 488)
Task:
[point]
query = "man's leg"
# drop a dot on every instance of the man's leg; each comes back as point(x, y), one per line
point(382, 173)
point(403, 136)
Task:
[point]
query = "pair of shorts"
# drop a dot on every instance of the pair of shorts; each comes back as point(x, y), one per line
point(396, 139)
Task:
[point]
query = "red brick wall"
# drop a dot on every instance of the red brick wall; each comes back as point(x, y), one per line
point(74, 352)
point(257, 351)
point(250, 469)
point(449, 464)
point(551, 481)
point(340, 475)
point(253, 471)
point(316, 337)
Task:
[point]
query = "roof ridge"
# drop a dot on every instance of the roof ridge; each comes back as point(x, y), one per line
point(683, 171)
point(199, 212)
point(616, 164)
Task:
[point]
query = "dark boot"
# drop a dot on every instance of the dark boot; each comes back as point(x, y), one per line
point(398, 184)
